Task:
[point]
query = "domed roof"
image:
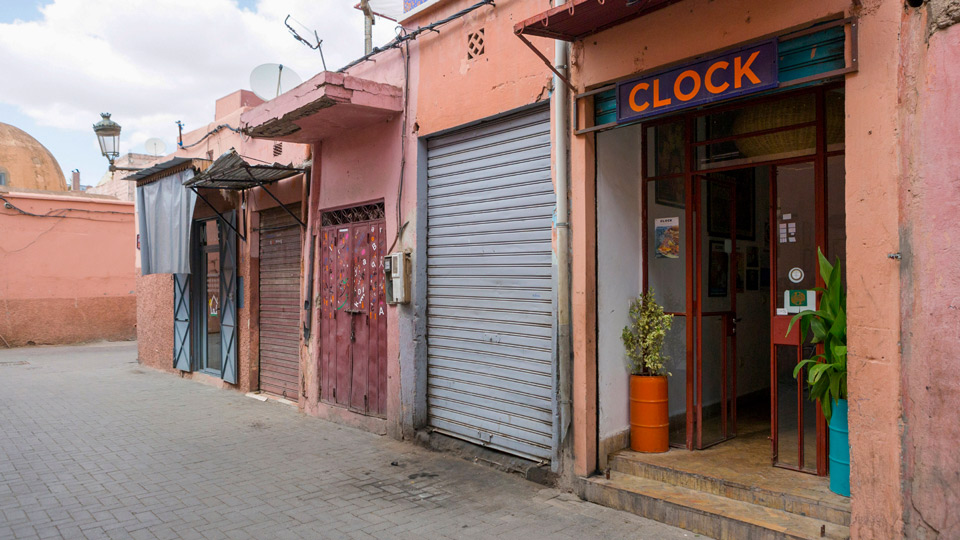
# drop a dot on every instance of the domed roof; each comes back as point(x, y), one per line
point(26, 163)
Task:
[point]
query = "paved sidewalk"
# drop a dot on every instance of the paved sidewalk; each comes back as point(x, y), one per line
point(94, 446)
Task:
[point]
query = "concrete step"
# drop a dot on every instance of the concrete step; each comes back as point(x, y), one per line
point(783, 490)
point(704, 513)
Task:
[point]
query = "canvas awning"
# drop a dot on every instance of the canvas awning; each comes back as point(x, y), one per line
point(580, 18)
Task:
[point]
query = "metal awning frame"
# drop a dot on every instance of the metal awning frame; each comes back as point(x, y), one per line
point(217, 212)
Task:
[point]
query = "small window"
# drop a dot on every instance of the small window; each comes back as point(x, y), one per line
point(3, 177)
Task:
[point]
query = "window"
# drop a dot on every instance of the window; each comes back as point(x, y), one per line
point(4, 180)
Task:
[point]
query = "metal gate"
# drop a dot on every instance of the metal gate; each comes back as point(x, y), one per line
point(280, 245)
point(353, 320)
point(490, 286)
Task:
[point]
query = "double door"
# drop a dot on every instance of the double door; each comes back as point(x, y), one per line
point(353, 321)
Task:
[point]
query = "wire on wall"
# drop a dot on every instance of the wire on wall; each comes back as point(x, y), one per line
point(213, 131)
point(59, 212)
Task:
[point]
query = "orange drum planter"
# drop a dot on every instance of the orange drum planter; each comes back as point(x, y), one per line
point(649, 413)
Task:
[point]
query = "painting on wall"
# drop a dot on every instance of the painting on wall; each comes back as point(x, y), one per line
point(753, 279)
point(718, 278)
point(719, 196)
point(741, 270)
point(670, 192)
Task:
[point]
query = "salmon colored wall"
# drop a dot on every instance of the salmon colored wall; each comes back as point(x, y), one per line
point(454, 90)
point(930, 275)
point(695, 27)
point(66, 279)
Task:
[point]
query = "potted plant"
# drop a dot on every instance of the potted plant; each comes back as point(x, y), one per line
point(827, 371)
point(643, 340)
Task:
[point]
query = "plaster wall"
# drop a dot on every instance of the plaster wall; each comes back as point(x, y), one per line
point(693, 27)
point(619, 267)
point(66, 279)
point(930, 203)
point(455, 90)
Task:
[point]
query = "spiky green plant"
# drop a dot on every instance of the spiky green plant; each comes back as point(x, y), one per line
point(643, 338)
point(827, 371)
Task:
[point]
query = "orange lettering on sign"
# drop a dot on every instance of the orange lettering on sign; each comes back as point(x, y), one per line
point(633, 98)
point(657, 102)
point(696, 85)
point(708, 78)
point(739, 71)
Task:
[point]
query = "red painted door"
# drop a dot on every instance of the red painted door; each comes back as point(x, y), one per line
point(353, 323)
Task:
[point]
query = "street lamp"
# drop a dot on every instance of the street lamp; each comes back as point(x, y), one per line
point(108, 134)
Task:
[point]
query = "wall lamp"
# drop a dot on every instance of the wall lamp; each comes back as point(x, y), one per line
point(108, 135)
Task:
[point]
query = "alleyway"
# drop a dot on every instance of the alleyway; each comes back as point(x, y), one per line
point(94, 446)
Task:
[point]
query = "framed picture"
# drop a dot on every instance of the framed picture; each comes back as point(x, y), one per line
point(718, 279)
point(753, 257)
point(669, 192)
point(719, 194)
point(753, 279)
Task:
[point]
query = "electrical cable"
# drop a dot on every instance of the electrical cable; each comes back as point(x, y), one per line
point(211, 132)
point(405, 54)
point(59, 212)
point(432, 27)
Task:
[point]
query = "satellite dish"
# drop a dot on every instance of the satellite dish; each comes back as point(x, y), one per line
point(270, 80)
point(155, 146)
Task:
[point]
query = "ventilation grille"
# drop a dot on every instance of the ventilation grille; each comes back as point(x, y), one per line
point(474, 44)
point(367, 212)
point(277, 149)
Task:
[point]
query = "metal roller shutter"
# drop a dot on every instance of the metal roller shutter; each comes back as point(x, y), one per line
point(490, 284)
point(280, 245)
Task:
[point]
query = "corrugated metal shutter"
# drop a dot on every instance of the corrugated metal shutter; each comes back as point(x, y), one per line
point(490, 296)
point(280, 245)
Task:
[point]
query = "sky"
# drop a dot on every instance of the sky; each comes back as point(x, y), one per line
point(152, 62)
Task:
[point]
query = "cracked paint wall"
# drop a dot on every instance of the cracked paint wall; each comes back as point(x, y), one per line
point(930, 269)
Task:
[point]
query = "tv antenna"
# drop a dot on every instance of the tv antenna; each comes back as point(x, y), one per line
point(270, 80)
point(301, 39)
point(155, 146)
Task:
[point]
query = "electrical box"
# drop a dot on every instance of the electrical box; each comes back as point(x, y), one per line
point(396, 266)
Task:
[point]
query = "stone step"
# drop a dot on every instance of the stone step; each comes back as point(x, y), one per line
point(703, 513)
point(792, 497)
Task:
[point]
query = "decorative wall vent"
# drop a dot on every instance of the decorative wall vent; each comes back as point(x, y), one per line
point(277, 149)
point(474, 44)
point(355, 214)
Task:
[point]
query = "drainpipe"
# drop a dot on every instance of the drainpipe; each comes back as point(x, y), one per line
point(367, 26)
point(561, 122)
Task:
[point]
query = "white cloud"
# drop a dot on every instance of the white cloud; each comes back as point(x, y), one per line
point(151, 62)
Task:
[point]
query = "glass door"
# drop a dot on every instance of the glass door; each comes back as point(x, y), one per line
point(796, 231)
point(715, 374)
point(207, 294)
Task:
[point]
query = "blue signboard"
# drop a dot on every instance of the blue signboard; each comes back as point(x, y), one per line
point(730, 74)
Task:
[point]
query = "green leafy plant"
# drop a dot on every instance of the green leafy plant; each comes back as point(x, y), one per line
point(643, 338)
point(827, 371)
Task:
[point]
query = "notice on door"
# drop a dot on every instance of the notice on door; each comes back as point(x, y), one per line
point(667, 238)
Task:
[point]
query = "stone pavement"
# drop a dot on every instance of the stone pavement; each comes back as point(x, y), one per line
point(94, 446)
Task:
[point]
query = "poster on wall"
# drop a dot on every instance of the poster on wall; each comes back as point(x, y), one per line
point(667, 238)
point(718, 279)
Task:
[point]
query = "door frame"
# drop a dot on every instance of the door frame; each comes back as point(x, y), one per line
point(692, 237)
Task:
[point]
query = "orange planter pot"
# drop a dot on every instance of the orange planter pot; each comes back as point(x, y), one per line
point(649, 414)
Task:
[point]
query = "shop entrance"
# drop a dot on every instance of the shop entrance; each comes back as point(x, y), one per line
point(736, 200)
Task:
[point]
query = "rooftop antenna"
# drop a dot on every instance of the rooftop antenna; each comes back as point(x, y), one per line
point(298, 37)
point(155, 146)
point(270, 80)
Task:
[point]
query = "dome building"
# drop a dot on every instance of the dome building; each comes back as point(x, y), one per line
point(25, 163)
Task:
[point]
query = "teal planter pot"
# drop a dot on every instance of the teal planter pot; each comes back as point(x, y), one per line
point(839, 450)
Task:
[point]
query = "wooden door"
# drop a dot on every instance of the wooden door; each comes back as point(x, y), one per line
point(353, 324)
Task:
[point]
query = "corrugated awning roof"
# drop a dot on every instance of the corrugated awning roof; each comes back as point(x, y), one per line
point(171, 166)
point(578, 19)
point(231, 171)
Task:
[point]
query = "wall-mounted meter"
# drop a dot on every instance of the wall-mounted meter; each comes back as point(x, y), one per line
point(396, 266)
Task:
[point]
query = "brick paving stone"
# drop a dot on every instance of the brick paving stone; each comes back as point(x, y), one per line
point(94, 446)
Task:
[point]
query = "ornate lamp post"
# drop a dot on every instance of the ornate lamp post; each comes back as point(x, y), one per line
point(108, 134)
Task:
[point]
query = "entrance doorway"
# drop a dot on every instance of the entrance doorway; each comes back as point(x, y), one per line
point(736, 201)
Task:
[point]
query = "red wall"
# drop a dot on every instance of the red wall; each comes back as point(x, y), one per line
point(66, 279)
